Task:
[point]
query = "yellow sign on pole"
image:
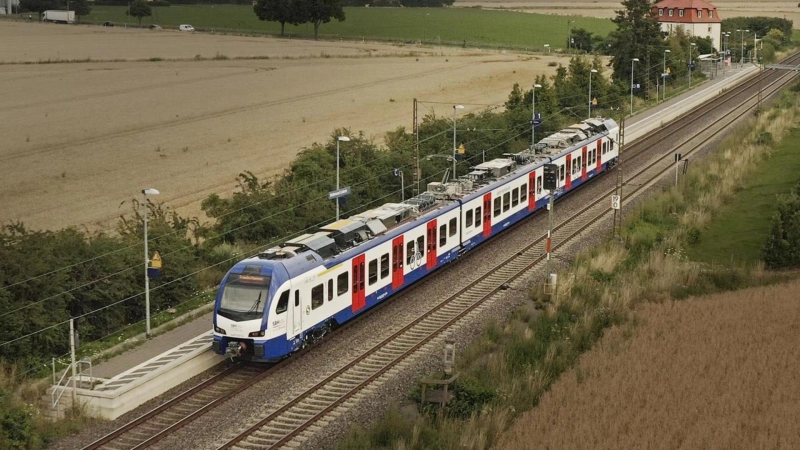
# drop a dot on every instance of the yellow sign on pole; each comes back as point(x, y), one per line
point(156, 261)
point(461, 149)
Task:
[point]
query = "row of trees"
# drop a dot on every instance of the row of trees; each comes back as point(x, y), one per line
point(138, 8)
point(296, 12)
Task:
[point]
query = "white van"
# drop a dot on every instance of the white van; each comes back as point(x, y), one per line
point(186, 27)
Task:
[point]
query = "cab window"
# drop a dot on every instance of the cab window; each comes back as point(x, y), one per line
point(283, 303)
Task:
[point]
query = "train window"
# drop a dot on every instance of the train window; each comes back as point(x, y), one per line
point(384, 265)
point(478, 217)
point(342, 284)
point(468, 220)
point(515, 197)
point(453, 223)
point(283, 303)
point(539, 184)
point(497, 207)
point(317, 298)
point(421, 246)
point(561, 173)
point(330, 289)
point(409, 253)
point(442, 235)
point(297, 298)
point(373, 272)
point(506, 201)
point(523, 193)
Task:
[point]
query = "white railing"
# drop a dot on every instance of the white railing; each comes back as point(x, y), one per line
point(59, 389)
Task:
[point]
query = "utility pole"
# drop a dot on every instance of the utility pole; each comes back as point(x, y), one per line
point(417, 174)
point(617, 227)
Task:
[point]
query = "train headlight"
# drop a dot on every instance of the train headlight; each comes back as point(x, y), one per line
point(219, 330)
point(256, 334)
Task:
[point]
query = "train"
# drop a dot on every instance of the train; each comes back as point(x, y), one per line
point(289, 296)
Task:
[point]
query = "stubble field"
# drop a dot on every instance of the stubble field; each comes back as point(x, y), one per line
point(81, 139)
point(717, 372)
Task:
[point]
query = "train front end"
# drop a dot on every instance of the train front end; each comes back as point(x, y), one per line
point(241, 312)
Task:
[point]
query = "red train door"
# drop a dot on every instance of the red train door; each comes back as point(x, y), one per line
point(584, 163)
point(431, 263)
point(598, 153)
point(569, 172)
point(358, 283)
point(487, 215)
point(397, 262)
point(531, 191)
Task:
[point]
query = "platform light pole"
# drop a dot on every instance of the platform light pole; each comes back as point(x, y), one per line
point(634, 60)
point(590, 91)
point(664, 74)
point(145, 193)
point(533, 115)
point(338, 140)
point(455, 108)
point(569, 34)
point(691, 46)
point(741, 58)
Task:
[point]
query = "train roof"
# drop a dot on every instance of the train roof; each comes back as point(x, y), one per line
point(346, 237)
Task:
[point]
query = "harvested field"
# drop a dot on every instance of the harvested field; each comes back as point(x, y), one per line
point(80, 139)
point(718, 372)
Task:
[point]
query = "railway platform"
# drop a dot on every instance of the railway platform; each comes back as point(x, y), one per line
point(133, 377)
point(136, 376)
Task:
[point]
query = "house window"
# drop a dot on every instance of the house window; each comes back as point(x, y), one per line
point(680, 13)
point(670, 13)
point(699, 13)
point(660, 11)
point(710, 16)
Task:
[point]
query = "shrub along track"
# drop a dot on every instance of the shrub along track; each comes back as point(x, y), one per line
point(315, 406)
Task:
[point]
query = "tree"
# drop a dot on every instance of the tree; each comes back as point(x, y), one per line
point(38, 6)
point(582, 39)
point(638, 35)
point(139, 9)
point(81, 8)
point(319, 12)
point(281, 11)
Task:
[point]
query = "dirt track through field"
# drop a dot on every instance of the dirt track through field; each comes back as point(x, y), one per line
point(80, 139)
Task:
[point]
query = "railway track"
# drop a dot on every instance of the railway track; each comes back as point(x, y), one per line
point(186, 407)
point(293, 421)
point(316, 406)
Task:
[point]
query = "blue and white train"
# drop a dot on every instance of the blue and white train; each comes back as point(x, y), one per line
point(286, 297)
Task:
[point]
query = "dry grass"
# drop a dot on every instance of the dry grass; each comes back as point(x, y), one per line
point(715, 372)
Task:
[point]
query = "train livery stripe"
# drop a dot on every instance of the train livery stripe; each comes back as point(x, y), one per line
point(487, 215)
point(397, 262)
point(432, 257)
point(531, 191)
point(359, 300)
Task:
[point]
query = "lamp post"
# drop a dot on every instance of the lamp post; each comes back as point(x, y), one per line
point(691, 45)
point(533, 115)
point(664, 73)
point(455, 108)
point(590, 91)
point(634, 60)
point(338, 139)
point(755, 48)
point(145, 193)
point(741, 59)
point(725, 49)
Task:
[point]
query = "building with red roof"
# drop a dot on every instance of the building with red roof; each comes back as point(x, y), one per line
point(696, 17)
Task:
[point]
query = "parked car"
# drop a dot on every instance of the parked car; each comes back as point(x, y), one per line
point(108, 24)
point(186, 27)
point(155, 27)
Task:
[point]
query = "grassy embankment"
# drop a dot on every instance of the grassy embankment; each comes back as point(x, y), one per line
point(506, 372)
point(476, 27)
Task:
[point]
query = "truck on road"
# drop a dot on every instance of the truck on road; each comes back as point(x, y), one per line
point(56, 16)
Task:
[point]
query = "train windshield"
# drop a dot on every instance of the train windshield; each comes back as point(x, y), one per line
point(244, 296)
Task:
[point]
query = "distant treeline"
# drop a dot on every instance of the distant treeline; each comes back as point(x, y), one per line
point(375, 3)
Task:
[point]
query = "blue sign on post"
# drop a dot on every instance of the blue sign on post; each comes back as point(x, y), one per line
point(537, 119)
point(339, 193)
